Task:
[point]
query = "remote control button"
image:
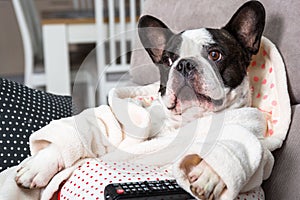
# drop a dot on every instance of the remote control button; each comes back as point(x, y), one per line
point(171, 187)
point(127, 190)
point(120, 191)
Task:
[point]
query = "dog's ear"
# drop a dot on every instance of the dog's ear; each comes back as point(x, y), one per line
point(247, 25)
point(154, 36)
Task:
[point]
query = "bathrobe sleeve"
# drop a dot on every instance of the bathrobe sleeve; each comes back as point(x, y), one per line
point(232, 146)
point(95, 131)
point(91, 133)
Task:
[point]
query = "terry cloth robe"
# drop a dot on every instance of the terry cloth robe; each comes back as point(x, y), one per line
point(237, 144)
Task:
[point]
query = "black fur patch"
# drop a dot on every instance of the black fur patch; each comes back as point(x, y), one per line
point(233, 66)
point(170, 53)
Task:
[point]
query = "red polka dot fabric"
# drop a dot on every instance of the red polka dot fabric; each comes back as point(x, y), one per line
point(90, 179)
point(269, 88)
point(257, 194)
point(263, 85)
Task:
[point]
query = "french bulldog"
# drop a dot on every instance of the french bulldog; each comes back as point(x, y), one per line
point(202, 71)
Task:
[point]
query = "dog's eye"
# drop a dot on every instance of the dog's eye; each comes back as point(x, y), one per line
point(166, 60)
point(215, 55)
point(169, 61)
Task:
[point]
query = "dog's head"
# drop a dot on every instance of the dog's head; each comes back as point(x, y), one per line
point(205, 68)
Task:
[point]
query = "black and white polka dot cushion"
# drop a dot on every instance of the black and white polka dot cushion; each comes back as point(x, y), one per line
point(23, 111)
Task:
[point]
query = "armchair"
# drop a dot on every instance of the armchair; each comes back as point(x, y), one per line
point(282, 16)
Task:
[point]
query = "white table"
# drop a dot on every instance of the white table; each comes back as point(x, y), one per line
point(58, 33)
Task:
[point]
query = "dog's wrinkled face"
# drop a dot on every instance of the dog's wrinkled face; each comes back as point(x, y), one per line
point(202, 70)
point(205, 68)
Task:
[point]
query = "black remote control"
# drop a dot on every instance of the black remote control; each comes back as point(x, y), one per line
point(147, 190)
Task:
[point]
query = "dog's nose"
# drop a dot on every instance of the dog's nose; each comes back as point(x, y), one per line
point(185, 67)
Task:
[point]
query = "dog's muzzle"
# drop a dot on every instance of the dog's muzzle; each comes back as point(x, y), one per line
point(194, 82)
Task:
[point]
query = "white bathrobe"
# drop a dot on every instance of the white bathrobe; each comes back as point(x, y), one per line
point(237, 144)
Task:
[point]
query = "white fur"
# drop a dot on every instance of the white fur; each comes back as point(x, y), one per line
point(205, 182)
point(38, 170)
point(193, 42)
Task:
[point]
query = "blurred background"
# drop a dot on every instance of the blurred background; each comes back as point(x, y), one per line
point(50, 45)
point(11, 48)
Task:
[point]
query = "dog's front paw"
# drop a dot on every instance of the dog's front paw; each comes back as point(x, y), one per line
point(205, 183)
point(37, 171)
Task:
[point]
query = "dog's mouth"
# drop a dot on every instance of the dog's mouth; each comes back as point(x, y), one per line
point(200, 97)
point(187, 97)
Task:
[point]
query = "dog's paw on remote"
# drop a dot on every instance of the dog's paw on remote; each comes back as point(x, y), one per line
point(205, 183)
point(38, 170)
